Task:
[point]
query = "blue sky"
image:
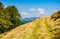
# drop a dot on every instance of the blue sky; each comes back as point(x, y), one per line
point(34, 8)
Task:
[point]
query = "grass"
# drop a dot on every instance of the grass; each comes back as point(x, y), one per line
point(37, 29)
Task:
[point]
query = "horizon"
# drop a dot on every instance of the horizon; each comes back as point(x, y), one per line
point(34, 8)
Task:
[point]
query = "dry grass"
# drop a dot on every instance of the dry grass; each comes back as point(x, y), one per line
point(37, 29)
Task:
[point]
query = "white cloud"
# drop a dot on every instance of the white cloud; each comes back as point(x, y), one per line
point(24, 13)
point(41, 11)
point(32, 9)
point(34, 13)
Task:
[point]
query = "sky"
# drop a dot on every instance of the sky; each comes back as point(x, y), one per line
point(34, 8)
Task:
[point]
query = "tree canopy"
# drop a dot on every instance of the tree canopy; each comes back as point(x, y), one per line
point(9, 18)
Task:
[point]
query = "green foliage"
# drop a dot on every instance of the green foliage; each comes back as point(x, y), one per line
point(1, 6)
point(14, 14)
point(9, 18)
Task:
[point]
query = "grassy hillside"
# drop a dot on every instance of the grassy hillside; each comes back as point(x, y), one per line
point(41, 28)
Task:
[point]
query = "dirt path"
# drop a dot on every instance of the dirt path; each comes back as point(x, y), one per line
point(45, 34)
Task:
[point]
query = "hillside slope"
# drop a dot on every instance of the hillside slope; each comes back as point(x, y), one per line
point(41, 28)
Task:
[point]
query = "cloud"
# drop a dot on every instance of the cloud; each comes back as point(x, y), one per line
point(24, 13)
point(32, 9)
point(41, 11)
point(34, 13)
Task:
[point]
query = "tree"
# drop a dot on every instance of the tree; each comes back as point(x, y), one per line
point(1, 6)
point(9, 18)
point(14, 14)
point(4, 22)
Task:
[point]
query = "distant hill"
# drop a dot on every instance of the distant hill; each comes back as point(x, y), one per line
point(40, 28)
point(25, 20)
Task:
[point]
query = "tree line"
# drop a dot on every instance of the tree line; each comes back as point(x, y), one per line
point(9, 18)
